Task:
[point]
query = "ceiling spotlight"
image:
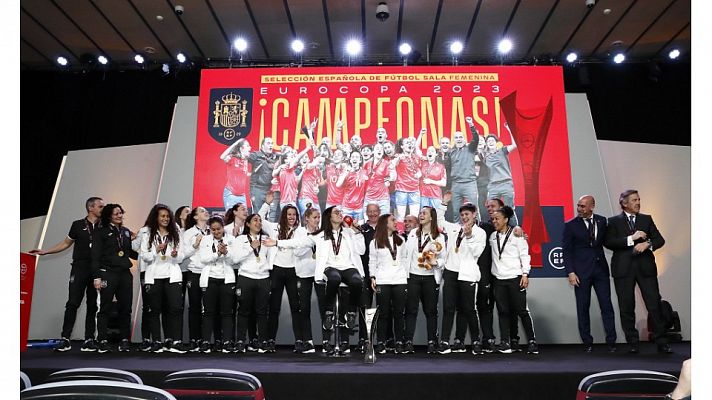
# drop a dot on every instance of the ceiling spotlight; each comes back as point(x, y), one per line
point(619, 58)
point(673, 54)
point(456, 47)
point(180, 57)
point(165, 68)
point(297, 46)
point(572, 57)
point(240, 44)
point(138, 58)
point(504, 46)
point(62, 61)
point(353, 47)
point(405, 49)
point(102, 60)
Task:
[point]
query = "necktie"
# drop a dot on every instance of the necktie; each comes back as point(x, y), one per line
point(591, 230)
point(631, 223)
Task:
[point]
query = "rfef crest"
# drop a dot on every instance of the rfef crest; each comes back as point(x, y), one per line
point(230, 114)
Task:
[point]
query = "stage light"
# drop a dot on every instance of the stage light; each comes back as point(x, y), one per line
point(456, 47)
point(181, 58)
point(673, 54)
point(139, 58)
point(619, 58)
point(62, 61)
point(504, 46)
point(572, 57)
point(102, 60)
point(353, 47)
point(405, 49)
point(165, 68)
point(240, 44)
point(297, 46)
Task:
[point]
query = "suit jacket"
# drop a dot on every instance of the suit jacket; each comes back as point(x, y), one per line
point(580, 255)
point(623, 260)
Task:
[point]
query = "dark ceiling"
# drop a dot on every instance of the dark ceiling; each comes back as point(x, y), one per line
point(544, 30)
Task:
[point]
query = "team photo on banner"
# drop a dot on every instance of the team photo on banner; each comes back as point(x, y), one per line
point(398, 137)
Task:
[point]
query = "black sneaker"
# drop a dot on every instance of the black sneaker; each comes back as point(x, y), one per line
point(409, 349)
point(477, 348)
point(156, 347)
point(228, 347)
point(253, 345)
point(89, 345)
point(488, 346)
point(458, 347)
point(391, 345)
point(514, 344)
point(271, 346)
point(399, 348)
point(442, 348)
point(504, 348)
point(350, 320)
point(194, 346)
point(345, 348)
point(145, 345)
point(167, 343)
point(124, 346)
point(380, 348)
point(361, 346)
point(328, 323)
point(63, 345)
point(433, 347)
point(103, 347)
point(240, 347)
point(308, 347)
point(264, 347)
point(205, 347)
point(218, 346)
point(298, 346)
point(326, 347)
point(532, 348)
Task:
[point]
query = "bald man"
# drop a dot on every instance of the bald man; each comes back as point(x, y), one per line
point(587, 267)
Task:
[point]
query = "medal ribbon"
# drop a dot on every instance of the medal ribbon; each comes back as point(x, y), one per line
point(506, 237)
point(336, 246)
point(256, 251)
point(119, 241)
point(392, 249)
point(459, 239)
point(422, 246)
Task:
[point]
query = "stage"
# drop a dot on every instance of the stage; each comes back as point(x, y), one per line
point(553, 374)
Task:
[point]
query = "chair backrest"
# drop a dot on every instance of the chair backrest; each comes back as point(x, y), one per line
point(24, 381)
point(213, 384)
point(626, 384)
point(94, 374)
point(94, 390)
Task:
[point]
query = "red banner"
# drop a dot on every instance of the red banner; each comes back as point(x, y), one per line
point(28, 262)
point(524, 104)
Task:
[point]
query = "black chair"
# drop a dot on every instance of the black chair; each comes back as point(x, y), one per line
point(94, 390)
point(24, 381)
point(213, 384)
point(94, 374)
point(626, 384)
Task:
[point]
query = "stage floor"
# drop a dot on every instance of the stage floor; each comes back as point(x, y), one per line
point(553, 374)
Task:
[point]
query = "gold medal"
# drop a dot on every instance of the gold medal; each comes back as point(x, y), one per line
point(337, 258)
point(395, 263)
point(259, 259)
point(313, 256)
point(163, 257)
point(457, 249)
point(120, 253)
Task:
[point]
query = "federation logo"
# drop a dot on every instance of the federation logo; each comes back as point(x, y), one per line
point(230, 114)
point(556, 258)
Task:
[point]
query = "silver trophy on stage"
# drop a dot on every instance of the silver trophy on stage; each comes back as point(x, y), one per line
point(370, 317)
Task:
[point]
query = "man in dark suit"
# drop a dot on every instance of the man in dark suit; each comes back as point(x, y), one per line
point(633, 237)
point(587, 267)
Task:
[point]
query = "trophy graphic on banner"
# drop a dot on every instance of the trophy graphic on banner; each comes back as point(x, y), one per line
point(530, 127)
point(370, 316)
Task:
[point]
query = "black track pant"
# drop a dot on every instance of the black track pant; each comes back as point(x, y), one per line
point(485, 307)
point(218, 300)
point(283, 278)
point(80, 282)
point(451, 304)
point(119, 283)
point(304, 290)
point(422, 289)
point(512, 303)
point(163, 295)
point(391, 300)
point(351, 278)
point(146, 314)
point(253, 295)
point(467, 316)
